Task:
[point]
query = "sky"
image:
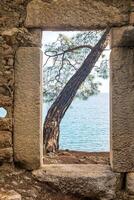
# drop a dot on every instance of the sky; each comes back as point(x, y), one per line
point(51, 36)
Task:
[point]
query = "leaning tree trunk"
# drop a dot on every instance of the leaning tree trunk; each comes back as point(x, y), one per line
point(65, 98)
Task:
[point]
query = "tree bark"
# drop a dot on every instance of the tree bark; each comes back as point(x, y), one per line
point(65, 98)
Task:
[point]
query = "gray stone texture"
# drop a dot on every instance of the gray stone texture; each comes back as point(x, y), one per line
point(87, 180)
point(76, 14)
point(130, 183)
point(122, 112)
point(27, 108)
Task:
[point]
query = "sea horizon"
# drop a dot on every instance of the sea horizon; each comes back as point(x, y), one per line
point(85, 126)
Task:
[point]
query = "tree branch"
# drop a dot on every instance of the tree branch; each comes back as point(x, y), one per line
point(68, 50)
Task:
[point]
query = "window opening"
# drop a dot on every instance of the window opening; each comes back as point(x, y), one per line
point(85, 125)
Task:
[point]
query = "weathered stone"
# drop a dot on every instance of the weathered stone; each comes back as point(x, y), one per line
point(122, 112)
point(5, 89)
point(122, 37)
point(9, 19)
point(10, 35)
point(93, 181)
point(6, 124)
point(5, 100)
point(27, 108)
point(130, 183)
point(5, 139)
point(5, 77)
point(74, 14)
point(22, 37)
point(37, 36)
point(6, 154)
point(131, 197)
point(7, 67)
point(7, 51)
point(7, 81)
point(10, 62)
point(132, 18)
point(9, 110)
point(10, 195)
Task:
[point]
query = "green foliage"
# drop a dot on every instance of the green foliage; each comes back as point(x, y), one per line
point(63, 60)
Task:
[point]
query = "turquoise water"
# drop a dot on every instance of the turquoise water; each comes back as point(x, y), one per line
point(85, 126)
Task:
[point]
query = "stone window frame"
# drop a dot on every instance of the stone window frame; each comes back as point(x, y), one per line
point(85, 17)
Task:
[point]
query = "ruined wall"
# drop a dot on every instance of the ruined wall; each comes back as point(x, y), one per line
point(10, 17)
point(21, 22)
point(13, 35)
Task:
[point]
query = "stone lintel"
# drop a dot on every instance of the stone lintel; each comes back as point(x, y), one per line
point(27, 108)
point(75, 14)
point(122, 112)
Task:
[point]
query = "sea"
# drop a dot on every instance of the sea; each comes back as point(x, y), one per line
point(85, 126)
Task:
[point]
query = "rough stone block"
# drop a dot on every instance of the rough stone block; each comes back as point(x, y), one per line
point(130, 183)
point(6, 77)
point(5, 139)
point(37, 36)
point(6, 155)
point(1, 57)
point(131, 197)
point(122, 37)
point(27, 108)
point(22, 37)
point(132, 18)
point(10, 195)
point(5, 100)
point(87, 180)
point(122, 109)
point(5, 90)
point(6, 124)
point(74, 14)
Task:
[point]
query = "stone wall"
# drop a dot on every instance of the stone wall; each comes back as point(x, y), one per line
point(13, 35)
point(21, 23)
point(9, 18)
